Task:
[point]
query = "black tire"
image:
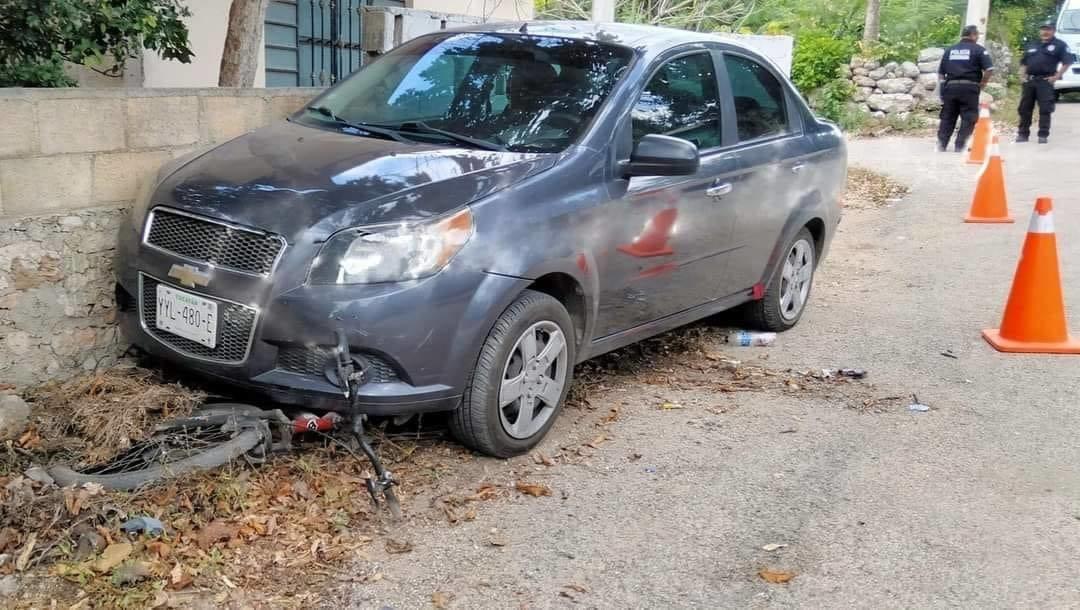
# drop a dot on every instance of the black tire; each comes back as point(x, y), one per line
point(477, 423)
point(214, 414)
point(766, 314)
point(218, 455)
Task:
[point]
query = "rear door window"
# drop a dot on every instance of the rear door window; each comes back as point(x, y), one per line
point(760, 107)
point(681, 100)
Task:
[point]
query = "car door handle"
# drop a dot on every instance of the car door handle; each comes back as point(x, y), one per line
point(798, 168)
point(718, 191)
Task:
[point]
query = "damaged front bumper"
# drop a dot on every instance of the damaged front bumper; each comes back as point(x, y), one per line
point(420, 338)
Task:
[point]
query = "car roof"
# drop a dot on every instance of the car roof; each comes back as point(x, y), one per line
point(644, 37)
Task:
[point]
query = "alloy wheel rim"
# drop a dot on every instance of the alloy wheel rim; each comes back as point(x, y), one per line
point(533, 380)
point(795, 279)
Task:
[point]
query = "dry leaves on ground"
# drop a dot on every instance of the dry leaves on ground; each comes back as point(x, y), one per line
point(109, 410)
point(398, 547)
point(215, 532)
point(869, 189)
point(540, 458)
point(776, 576)
point(458, 508)
point(533, 489)
point(441, 600)
point(307, 512)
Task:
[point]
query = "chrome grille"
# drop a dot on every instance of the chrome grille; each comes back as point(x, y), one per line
point(213, 242)
point(313, 361)
point(235, 326)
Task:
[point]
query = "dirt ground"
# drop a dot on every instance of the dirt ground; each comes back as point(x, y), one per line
point(667, 491)
point(687, 473)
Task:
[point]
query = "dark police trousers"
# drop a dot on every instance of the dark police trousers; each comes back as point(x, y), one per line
point(1036, 90)
point(959, 99)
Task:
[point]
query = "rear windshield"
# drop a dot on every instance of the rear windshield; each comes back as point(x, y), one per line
point(520, 92)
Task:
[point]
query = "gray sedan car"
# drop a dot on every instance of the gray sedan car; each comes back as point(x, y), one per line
point(481, 209)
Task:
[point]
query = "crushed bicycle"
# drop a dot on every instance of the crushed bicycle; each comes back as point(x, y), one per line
point(221, 433)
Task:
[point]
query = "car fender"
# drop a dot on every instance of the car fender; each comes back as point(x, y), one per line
point(810, 207)
point(581, 267)
point(490, 299)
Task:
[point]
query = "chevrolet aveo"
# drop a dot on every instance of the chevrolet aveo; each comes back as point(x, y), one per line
point(479, 210)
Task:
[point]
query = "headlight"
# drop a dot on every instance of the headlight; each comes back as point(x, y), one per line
point(142, 201)
point(392, 254)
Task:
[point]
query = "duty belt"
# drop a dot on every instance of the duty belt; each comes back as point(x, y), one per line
point(962, 81)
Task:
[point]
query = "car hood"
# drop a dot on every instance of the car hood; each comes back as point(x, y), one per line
point(288, 179)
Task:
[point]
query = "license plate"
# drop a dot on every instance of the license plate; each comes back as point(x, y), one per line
point(187, 315)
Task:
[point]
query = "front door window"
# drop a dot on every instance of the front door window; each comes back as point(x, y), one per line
point(681, 100)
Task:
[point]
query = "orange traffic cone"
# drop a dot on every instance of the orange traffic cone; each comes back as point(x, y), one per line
point(990, 203)
point(1034, 320)
point(980, 140)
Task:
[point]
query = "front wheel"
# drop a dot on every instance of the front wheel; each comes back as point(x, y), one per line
point(521, 378)
point(786, 295)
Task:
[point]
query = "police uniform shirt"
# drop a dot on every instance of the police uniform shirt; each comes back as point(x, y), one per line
point(1042, 58)
point(965, 61)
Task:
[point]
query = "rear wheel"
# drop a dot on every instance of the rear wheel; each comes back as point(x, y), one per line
point(786, 295)
point(521, 378)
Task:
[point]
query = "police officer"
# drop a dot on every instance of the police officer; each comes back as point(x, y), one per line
point(964, 71)
point(1043, 63)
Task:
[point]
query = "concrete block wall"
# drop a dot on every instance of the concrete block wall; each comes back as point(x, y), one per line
point(71, 162)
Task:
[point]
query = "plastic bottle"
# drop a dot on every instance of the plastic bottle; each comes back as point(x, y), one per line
point(745, 338)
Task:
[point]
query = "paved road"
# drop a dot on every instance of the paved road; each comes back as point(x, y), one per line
point(974, 504)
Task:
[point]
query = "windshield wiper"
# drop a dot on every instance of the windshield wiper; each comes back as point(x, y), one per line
point(375, 129)
point(422, 127)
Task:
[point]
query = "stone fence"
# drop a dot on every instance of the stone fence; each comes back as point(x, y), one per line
point(896, 88)
point(71, 161)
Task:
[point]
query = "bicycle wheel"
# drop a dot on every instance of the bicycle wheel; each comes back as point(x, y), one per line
point(172, 453)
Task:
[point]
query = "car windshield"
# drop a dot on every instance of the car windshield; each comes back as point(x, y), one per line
point(1070, 22)
point(515, 92)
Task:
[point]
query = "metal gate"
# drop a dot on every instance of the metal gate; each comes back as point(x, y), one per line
point(314, 43)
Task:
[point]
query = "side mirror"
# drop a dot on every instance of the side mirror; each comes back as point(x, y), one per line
point(657, 155)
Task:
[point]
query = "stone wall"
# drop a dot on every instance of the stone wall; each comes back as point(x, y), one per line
point(71, 162)
point(894, 87)
point(882, 89)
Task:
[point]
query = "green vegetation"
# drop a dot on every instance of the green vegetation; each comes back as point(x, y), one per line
point(1014, 21)
point(698, 15)
point(37, 38)
point(831, 100)
point(829, 32)
point(817, 58)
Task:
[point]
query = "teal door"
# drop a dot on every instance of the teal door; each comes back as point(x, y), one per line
point(314, 43)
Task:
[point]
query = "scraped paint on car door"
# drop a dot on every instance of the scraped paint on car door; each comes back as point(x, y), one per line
point(668, 261)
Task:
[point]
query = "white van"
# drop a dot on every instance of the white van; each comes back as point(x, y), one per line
point(1068, 29)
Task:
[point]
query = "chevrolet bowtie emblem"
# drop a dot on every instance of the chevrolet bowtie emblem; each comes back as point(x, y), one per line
point(189, 276)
